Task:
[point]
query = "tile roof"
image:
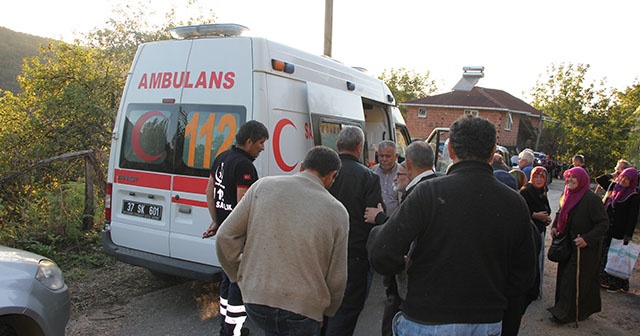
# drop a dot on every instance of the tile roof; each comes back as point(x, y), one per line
point(478, 97)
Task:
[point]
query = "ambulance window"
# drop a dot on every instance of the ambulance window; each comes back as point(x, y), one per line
point(208, 130)
point(147, 137)
point(329, 133)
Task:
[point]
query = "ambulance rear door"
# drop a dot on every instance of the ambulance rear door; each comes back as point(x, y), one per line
point(141, 195)
point(330, 110)
point(214, 104)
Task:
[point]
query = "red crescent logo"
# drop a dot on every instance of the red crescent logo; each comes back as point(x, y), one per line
point(277, 153)
point(135, 136)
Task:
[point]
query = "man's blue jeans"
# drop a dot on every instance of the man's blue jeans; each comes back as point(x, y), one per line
point(280, 322)
point(405, 327)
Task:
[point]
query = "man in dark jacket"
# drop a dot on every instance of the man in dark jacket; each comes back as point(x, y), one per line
point(473, 244)
point(419, 162)
point(357, 187)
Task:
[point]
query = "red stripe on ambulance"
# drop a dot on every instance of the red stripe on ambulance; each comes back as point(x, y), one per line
point(195, 185)
point(143, 179)
point(189, 202)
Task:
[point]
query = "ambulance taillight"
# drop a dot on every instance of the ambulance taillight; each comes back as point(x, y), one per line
point(107, 202)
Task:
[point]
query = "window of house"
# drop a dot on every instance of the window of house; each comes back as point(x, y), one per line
point(473, 113)
point(422, 113)
point(509, 122)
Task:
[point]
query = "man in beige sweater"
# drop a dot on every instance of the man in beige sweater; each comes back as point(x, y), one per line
point(285, 244)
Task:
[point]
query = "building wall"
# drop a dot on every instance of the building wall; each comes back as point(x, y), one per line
point(444, 117)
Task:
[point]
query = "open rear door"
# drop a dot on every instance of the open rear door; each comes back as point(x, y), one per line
point(329, 109)
point(326, 101)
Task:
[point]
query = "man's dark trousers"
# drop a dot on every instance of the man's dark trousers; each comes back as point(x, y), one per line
point(346, 318)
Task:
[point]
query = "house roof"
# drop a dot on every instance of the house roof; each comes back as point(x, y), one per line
point(479, 98)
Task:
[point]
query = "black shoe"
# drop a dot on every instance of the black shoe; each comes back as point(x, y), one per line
point(243, 332)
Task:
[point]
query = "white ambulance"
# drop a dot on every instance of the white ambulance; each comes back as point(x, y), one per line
point(184, 101)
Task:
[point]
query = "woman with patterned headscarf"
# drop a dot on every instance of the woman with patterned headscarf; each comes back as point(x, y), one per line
point(582, 217)
point(622, 208)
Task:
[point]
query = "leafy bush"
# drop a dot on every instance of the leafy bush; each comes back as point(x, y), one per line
point(49, 223)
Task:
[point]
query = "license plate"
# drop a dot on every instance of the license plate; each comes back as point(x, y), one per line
point(144, 210)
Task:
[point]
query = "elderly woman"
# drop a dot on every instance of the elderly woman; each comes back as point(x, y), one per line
point(622, 208)
point(535, 194)
point(582, 217)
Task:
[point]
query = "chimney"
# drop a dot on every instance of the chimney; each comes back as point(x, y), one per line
point(470, 78)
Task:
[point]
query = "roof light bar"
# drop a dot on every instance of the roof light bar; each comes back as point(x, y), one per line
point(208, 30)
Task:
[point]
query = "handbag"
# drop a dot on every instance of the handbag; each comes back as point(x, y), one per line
point(621, 258)
point(560, 249)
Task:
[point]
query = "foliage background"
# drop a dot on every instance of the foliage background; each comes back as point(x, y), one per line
point(67, 101)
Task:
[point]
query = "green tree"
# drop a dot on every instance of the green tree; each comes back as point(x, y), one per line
point(630, 105)
point(407, 85)
point(133, 24)
point(71, 93)
point(586, 118)
point(70, 97)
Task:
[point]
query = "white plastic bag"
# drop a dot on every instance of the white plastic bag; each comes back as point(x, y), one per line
point(621, 258)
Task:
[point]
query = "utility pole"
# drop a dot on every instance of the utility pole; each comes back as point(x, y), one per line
point(328, 26)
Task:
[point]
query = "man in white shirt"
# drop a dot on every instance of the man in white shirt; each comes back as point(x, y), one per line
point(386, 169)
point(419, 164)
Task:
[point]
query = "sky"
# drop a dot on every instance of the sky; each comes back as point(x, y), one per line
point(515, 41)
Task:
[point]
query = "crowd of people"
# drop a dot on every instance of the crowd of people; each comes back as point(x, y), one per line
point(460, 254)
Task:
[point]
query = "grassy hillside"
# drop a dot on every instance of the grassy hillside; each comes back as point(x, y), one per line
point(14, 47)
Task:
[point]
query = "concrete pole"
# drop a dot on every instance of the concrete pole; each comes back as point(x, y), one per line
point(328, 26)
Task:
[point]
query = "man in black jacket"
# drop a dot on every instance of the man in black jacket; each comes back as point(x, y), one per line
point(356, 187)
point(473, 244)
point(419, 162)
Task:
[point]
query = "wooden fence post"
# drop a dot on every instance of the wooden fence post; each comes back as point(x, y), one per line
point(91, 167)
point(87, 215)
